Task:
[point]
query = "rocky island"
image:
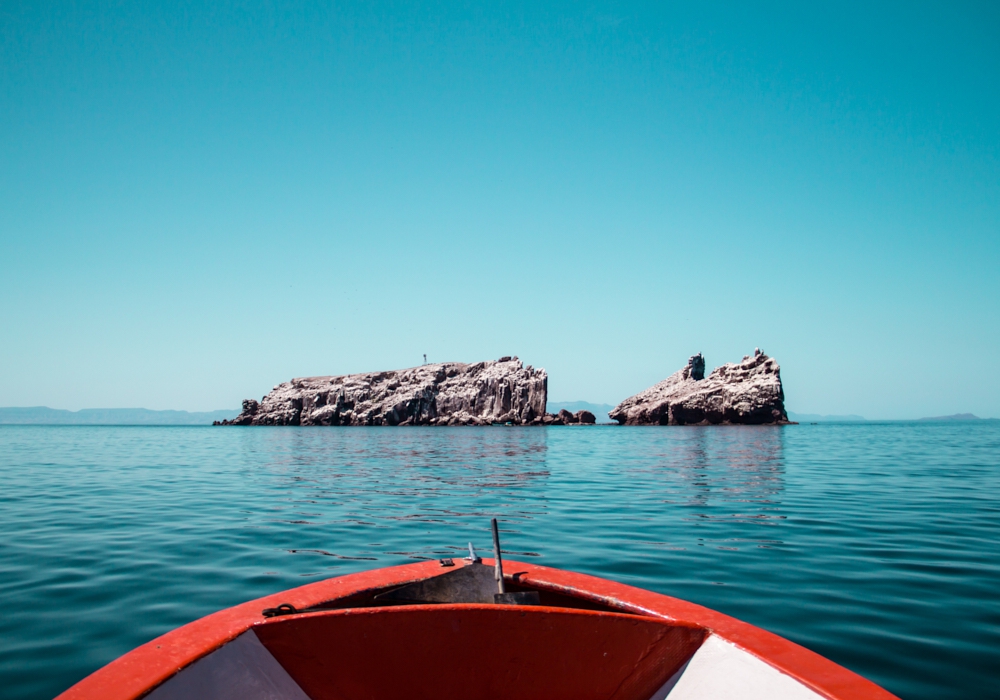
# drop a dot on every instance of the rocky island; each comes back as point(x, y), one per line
point(746, 392)
point(449, 393)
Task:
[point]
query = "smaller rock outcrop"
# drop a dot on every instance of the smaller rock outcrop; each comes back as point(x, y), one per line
point(747, 392)
point(250, 408)
point(564, 417)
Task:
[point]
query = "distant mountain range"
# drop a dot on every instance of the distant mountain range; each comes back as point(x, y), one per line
point(600, 410)
point(957, 416)
point(43, 415)
point(817, 418)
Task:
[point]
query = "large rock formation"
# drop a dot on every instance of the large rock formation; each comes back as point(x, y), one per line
point(747, 392)
point(450, 393)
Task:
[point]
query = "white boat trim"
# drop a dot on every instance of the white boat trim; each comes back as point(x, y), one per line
point(720, 670)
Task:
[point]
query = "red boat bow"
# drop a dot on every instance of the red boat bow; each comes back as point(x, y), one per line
point(589, 637)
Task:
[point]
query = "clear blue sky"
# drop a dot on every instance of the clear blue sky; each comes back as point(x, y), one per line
point(200, 200)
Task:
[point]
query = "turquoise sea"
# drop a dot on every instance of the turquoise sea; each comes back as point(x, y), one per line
point(876, 545)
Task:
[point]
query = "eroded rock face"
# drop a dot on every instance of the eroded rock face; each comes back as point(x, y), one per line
point(747, 392)
point(451, 393)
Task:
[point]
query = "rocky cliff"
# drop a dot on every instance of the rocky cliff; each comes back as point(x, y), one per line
point(747, 392)
point(450, 393)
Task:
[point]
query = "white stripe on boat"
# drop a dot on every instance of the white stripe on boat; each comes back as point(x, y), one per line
point(720, 670)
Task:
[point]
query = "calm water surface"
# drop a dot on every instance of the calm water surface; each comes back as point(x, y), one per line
point(875, 545)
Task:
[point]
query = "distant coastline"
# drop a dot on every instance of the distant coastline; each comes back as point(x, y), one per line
point(43, 415)
point(850, 418)
point(957, 417)
point(817, 418)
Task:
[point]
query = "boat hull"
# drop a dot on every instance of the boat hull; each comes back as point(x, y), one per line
point(589, 638)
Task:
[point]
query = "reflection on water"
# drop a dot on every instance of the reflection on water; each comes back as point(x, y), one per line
point(378, 479)
point(871, 544)
point(743, 467)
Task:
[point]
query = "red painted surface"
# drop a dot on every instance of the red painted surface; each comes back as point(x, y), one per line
point(135, 673)
point(494, 651)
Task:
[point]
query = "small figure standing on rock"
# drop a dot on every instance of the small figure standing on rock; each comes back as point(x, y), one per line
point(756, 352)
point(425, 358)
